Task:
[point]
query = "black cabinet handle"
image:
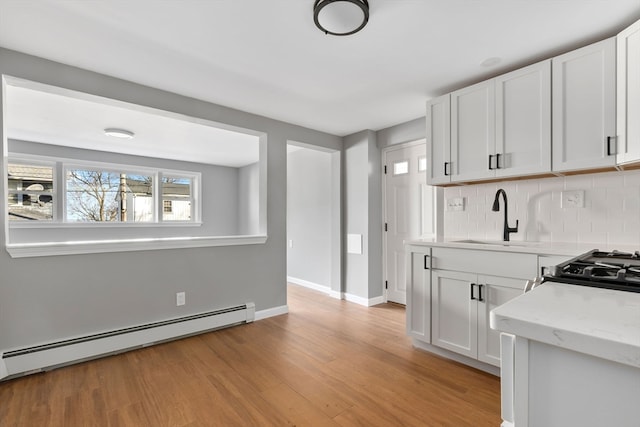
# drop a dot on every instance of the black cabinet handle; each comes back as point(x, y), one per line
point(609, 152)
point(425, 262)
point(472, 295)
point(480, 293)
point(498, 161)
point(490, 157)
point(446, 173)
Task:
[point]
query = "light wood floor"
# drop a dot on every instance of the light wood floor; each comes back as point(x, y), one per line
point(326, 363)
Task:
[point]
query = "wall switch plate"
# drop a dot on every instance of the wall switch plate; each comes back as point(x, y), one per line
point(354, 244)
point(455, 204)
point(290, 243)
point(573, 199)
point(180, 298)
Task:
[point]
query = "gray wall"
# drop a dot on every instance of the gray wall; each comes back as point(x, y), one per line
point(309, 216)
point(403, 132)
point(248, 199)
point(54, 297)
point(362, 212)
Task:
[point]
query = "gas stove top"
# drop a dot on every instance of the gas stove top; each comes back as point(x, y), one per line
point(609, 270)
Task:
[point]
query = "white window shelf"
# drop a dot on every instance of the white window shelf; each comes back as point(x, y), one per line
point(26, 250)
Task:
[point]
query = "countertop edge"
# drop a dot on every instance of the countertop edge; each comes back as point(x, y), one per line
point(615, 350)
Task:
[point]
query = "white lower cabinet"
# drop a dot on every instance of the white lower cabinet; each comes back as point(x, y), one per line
point(419, 294)
point(451, 291)
point(461, 303)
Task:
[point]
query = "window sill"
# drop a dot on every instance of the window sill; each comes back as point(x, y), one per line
point(26, 250)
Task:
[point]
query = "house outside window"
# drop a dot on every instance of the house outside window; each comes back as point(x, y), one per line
point(31, 192)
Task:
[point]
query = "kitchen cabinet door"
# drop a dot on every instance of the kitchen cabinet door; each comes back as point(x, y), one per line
point(419, 295)
point(523, 121)
point(473, 131)
point(628, 91)
point(454, 312)
point(584, 107)
point(493, 291)
point(439, 140)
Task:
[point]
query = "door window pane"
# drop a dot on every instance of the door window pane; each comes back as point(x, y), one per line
point(422, 164)
point(401, 168)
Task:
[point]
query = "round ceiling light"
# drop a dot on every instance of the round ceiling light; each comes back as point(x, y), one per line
point(119, 133)
point(341, 17)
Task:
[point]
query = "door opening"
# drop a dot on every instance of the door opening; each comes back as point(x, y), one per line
point(313, 218)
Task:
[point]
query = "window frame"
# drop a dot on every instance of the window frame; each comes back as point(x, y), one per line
point(30, 160)
point(62, 165)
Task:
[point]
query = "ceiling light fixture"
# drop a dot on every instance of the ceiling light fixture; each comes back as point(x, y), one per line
point(119, 133)
point(341, 17)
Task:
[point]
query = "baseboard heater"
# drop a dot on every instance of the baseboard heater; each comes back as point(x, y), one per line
point(37, 358)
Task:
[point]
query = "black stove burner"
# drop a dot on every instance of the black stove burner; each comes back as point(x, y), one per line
point(609, 270)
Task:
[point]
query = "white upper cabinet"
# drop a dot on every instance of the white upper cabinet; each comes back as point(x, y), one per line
point(584, 107)
point(523, 122)
point(496, 128)
point(472, 131)
point(438, 140)
point(628, 100)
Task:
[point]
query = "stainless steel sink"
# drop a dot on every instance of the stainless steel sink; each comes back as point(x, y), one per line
point(496, 242)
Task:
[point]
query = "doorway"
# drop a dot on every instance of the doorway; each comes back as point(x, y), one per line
point(408, 210)
point(313, 218)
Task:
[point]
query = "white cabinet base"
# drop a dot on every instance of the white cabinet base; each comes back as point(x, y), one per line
point(490, 369)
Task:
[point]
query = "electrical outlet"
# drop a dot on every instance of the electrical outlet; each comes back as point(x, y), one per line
point(180, 298)
point(573, 199)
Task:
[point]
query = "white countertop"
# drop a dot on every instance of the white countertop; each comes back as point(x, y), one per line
point(540, 248)
point(599, 322)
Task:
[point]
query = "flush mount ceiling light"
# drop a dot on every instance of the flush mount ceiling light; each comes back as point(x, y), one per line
point(119, 133)
point(341, 17)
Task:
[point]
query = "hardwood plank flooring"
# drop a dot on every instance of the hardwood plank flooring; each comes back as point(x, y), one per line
point(326, 363)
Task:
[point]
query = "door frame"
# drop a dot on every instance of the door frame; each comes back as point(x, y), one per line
point(383, 159)
point(335, 289)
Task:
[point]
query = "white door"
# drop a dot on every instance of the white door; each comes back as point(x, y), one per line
point(408, 205)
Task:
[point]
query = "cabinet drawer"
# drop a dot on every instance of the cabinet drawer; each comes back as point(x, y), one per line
point(505, 264)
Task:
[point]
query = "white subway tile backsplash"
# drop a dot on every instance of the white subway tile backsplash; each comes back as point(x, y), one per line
point(611, 213)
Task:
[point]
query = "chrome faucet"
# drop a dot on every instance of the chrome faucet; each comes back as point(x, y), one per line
point(496, 208)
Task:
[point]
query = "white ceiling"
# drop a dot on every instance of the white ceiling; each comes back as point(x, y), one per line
point(41, 113)
point(268, 58)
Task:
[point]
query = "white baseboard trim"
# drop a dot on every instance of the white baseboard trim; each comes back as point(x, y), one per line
point(310, 285)
point(271, 312)
point(490, 369)
point(363, 301)
point(336, 294)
